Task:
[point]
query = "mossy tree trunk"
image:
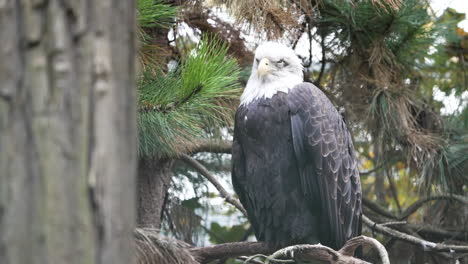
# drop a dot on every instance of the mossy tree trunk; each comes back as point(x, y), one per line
point(67, 131)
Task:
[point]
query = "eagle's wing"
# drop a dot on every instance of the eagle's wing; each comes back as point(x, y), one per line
point(239, 177)
point(328, 165)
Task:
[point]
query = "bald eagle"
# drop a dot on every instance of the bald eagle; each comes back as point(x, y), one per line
point(294, 165)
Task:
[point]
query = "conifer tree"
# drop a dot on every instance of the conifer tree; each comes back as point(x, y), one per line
point(177, 107)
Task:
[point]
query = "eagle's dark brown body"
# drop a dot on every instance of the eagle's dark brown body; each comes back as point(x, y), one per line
point(295, 170)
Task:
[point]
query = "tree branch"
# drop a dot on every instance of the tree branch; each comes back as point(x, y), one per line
point(230, 250)
point(424, 244)
point(344, 255)
point(351, 245)
point(425, 231)
point(297, 252)
point(378, 209)
point(203, 171)
point(213, 146)
point(416, 205)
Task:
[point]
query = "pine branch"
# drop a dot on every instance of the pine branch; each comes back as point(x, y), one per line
point(146, 107)
point(176, 109)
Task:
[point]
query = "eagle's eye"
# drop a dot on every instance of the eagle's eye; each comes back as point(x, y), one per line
point(282, 63)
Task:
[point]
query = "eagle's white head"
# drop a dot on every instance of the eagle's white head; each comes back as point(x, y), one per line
point(276, 68)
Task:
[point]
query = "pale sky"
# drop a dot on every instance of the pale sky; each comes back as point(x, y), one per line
point(460, 5)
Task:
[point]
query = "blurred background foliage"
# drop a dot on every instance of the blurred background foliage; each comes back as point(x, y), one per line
point(384, 64)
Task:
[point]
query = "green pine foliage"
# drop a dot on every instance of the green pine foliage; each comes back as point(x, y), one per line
point(155, 14)
point(444, 67)
point(394, 37)
point(178, 108)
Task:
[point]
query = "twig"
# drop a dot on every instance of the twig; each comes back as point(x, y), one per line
point(394, 223)
point(393, 190)
point(380, 166)
point(203, 171)
point(424, 244)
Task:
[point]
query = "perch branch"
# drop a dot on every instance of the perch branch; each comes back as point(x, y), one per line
point(424, 244)
point(297, 252)
point(323, 253)
point(203, 171)
point(351, 245)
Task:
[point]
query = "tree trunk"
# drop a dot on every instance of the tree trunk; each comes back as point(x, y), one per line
point(67, 131)
point(154, 177)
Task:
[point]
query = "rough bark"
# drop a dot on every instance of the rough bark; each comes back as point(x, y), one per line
point(154, 177)
point(67, 131)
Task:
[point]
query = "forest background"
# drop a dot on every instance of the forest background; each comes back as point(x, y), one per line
point(395, 70)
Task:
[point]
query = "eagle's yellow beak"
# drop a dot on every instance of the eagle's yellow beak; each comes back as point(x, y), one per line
point(263, 67)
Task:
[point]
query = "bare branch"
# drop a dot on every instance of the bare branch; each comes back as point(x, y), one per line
point(203, 171)
point(424, 244)
point(214, 146)
point(323, 253)
point(416, 205)
point(229, 250)
point(352, 244)
point(377, 208)
point(393, 223)
point(393, 190)
point(297, 252)
point(420, 230)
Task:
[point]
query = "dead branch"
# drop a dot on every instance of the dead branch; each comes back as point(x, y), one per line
point(297, 252)
point(424, 244)
point(416, 205)
point(323, 253)
point(203, 171)
point(378, 208)
point(213, 146)
point(229, 250)
point(417, 229)
point(352, 244)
